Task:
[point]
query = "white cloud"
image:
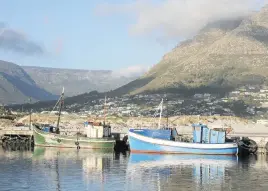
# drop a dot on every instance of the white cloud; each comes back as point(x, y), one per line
point(178, 18)
point(17, 41)
point(131, 71)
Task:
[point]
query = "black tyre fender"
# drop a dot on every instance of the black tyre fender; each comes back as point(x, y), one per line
point(253, 146)
point(266, 146)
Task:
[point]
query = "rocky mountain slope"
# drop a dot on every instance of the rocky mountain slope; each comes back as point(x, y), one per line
point(77, 81)
point(16, 86)
point(225, 54)
point(19, 83)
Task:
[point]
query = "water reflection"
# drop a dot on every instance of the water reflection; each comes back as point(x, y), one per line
point(89, 166)
point(58, 169)
point(71, 169)
point(167, 171)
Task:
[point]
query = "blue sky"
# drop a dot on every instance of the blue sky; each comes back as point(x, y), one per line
point(88, 41)
point(72, 35)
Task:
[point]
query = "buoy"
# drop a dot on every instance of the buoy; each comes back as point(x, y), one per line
point(253, 146)
point(77, 144)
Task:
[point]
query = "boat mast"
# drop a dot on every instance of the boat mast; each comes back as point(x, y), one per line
point(30, 116)
point(61, 104)
point(161, 108)
point(167, 112)
point(105, 110)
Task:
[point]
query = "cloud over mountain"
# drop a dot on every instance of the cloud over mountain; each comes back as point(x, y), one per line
point(16, 41)
point(178, 18)
point(132, 71)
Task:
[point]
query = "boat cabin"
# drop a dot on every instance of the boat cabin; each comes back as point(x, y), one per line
point(202, 134)
point(97, 129)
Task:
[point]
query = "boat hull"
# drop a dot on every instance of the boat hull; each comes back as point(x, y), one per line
point(143, 144)
point(46, 139)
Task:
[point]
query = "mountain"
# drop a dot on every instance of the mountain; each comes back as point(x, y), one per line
point(224, 55)
point(16, 86)
point(19, 83)
point(78, 81)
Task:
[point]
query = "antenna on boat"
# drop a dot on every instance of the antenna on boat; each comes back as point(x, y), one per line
point(61, 104)
point(161, 108)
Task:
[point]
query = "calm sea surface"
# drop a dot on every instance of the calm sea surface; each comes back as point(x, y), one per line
point(68, 169)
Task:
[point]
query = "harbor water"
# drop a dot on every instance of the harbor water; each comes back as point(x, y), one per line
point(69, 169)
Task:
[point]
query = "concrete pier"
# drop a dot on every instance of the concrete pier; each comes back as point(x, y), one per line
point(17, 131)
point(21, 131)
point(261, 138)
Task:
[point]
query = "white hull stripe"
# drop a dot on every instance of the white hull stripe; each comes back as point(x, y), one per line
point(182, 144)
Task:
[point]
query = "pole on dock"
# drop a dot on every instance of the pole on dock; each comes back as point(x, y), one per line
point(104, 111)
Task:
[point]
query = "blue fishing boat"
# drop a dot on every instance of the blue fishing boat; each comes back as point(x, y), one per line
point(163, 141)
point(167, 140)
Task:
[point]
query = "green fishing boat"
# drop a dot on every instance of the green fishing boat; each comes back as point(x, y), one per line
point(48, 139)
point(96, 136)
